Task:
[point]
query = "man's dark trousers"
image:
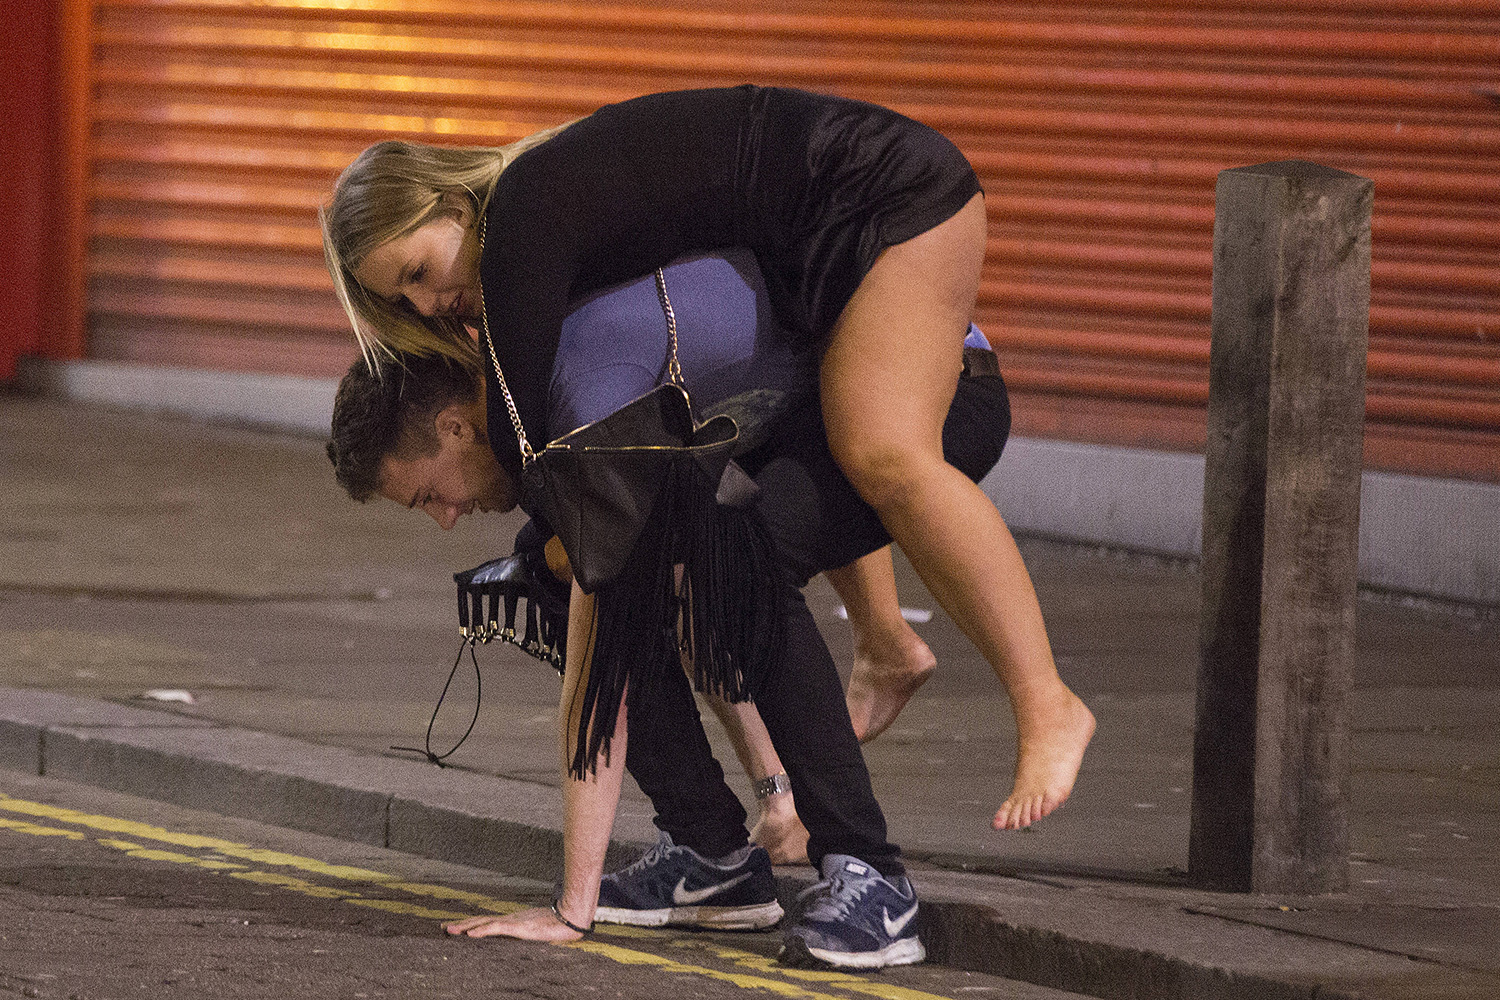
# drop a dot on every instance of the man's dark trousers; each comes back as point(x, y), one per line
point(818, 522)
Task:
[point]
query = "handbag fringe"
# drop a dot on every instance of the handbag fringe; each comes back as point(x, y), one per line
point(724, 615)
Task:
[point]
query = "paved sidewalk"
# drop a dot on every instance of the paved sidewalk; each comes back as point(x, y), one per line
point(139, 553)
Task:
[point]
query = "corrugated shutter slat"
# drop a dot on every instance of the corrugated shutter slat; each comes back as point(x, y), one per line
point(1097, 128)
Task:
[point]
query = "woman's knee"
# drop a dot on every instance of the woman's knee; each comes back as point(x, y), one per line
point(886, 474)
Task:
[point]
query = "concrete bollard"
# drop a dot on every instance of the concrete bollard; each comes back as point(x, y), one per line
point(1291, 298)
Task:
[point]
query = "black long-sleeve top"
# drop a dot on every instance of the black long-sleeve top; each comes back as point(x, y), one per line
point(815, 186)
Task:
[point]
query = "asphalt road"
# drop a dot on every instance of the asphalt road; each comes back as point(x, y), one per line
point(105, 895)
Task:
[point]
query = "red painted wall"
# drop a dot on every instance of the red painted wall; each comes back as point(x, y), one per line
point(28, 111)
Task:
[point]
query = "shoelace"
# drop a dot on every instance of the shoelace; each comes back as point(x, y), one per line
point(655, 853)
point(835, 898)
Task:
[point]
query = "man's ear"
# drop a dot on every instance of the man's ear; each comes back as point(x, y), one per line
point(455, 422)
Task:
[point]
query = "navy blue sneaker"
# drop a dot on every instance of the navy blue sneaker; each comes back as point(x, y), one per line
point(677, 885)
point(854, 919)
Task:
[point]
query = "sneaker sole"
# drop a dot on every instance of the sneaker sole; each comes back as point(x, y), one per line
point(724, 918)
point(798, 954)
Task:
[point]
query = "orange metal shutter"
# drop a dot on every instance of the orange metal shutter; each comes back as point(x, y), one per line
point(1097, 129)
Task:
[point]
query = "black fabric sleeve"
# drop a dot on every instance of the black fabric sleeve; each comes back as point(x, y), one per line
point(612, 197)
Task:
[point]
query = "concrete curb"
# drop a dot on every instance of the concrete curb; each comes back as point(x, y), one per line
point(287, 403)
point(1420, 535)
point(1090, 941)
point(407, 805)
point(1086, 941)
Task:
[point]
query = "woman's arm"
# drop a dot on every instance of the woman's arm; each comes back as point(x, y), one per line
point(588, 806)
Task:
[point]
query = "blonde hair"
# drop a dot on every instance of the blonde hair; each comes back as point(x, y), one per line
point(391, 189)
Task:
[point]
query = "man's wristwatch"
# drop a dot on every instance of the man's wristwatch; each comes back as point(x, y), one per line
point(776, 784)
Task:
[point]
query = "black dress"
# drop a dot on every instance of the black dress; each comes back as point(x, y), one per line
point(815, 186)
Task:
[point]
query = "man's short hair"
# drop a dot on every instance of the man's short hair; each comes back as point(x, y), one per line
point(391, 412)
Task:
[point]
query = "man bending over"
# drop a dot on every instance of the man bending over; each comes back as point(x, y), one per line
point(417, 437)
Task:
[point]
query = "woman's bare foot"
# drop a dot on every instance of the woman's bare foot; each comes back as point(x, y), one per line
point(779, 830)
point(887, 672)
point(1049, 753)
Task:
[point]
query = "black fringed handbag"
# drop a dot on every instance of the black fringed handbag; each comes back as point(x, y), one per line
point(493, 596)
point(633, 497)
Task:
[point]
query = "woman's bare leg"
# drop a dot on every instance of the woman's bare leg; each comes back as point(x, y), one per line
point(888, 378)
point(777, 828)
point(890, 660)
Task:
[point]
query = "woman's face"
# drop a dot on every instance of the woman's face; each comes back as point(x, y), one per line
point(433, 270)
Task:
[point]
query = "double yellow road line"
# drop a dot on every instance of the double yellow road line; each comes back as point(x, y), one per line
point(351, 886)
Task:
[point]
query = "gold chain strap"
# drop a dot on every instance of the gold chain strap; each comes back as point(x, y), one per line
point(527, 455)
point(674, 369)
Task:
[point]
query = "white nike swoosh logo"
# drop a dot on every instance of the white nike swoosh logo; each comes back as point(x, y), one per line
point(683, 896)
point(895, 927)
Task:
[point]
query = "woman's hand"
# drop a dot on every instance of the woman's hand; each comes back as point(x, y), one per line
point(536, 924)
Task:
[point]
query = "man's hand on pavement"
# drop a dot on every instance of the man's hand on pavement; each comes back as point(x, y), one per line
point(535, 924)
